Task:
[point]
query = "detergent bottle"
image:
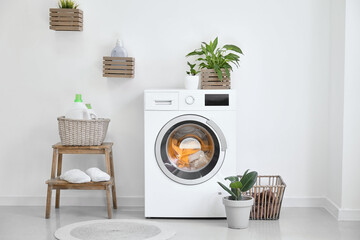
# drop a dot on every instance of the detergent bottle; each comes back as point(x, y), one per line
point(78, 110)
point(91, 111)
point(119, 50)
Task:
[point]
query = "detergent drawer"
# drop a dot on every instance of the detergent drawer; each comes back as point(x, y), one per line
point(161, 101)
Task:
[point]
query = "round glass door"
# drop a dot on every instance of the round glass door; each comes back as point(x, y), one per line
point(188, 149)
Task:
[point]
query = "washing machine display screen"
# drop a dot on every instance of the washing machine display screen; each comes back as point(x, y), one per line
point(189, 150)
point(216, 99)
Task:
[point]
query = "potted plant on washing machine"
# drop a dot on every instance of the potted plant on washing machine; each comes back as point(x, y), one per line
point(237, 205)
point(215, 64)
point(192, 79)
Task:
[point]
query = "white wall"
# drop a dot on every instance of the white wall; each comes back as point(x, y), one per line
point(283, 91)
point(351, 154)
point(283, 84)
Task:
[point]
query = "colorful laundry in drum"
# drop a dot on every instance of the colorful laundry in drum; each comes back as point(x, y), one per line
point(190, 147)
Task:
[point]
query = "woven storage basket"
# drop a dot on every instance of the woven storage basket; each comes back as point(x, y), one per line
point(268, 194)
point(82, 132)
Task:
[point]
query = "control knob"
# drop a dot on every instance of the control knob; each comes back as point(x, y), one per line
point(189, 100)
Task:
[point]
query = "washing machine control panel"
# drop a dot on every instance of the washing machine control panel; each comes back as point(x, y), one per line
point(189, 100)
point(206, 100)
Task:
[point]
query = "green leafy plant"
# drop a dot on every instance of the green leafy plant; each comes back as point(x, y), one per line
point(67, 4)
point(192, 71)
point(238, 186)
point(212, 57)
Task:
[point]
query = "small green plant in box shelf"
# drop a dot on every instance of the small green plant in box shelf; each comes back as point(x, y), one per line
point(67, 17)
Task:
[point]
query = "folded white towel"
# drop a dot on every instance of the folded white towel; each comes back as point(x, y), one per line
point(75, 176)
point(97, 175)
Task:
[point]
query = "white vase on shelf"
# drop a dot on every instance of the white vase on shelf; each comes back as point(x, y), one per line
point(191, 82)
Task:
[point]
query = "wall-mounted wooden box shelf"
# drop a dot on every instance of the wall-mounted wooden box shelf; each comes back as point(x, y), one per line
point(65, 19)
point(119, 67)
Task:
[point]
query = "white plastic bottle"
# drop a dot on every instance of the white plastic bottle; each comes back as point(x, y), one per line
point(119, 50)
point(91, 111)
point(78, 110)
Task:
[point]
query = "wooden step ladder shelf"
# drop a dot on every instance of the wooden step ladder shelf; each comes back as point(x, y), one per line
point(66, 19)
point(119, 67)
point(55, 183)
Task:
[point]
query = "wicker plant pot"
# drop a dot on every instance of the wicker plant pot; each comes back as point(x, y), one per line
point(65, 19)
point(268, 193)
point(210, 80)
point(82, 132)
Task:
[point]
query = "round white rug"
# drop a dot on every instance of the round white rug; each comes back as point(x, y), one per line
point(115, 229)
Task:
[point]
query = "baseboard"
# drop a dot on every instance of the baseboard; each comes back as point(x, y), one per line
point(338, 213)
point(303, 202)
point(331, 207)
point(349, 215)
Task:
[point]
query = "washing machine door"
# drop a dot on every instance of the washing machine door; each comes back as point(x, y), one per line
point(190, 149)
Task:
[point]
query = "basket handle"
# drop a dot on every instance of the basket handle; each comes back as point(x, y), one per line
point(93, 116)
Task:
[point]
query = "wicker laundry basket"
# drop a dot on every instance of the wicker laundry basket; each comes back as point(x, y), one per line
point(268, 193)
point(82, 132)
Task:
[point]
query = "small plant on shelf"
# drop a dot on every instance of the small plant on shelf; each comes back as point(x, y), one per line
point(192, 79)
point(67, 4)
point(192, 71)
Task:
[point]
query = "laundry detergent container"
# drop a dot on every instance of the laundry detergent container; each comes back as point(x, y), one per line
point(77, 132)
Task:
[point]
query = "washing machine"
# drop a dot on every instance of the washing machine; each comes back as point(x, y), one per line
point(190, 145)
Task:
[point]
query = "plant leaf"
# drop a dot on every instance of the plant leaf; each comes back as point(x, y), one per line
point(232, 56)
point(227, 72)
point(219, 72)
point(191, 65)
point(215, 44)
point(248, 181)
point(232, 178)
point(236, 184)
point(245, 173)
point(196, 52)
point(200, 59)
point(228, 190)
point(233, 48)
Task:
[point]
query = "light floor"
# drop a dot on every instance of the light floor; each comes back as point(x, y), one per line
point(295, 223)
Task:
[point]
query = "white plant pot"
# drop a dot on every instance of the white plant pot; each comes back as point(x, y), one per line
point(192, 82)
point(238, 212)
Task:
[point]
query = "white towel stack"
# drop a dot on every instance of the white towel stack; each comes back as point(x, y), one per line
point(78, 176)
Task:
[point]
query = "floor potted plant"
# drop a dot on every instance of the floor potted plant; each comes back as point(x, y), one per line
point(192, 79)
point(67, 17)
point(215, 64)
point(237, 205)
